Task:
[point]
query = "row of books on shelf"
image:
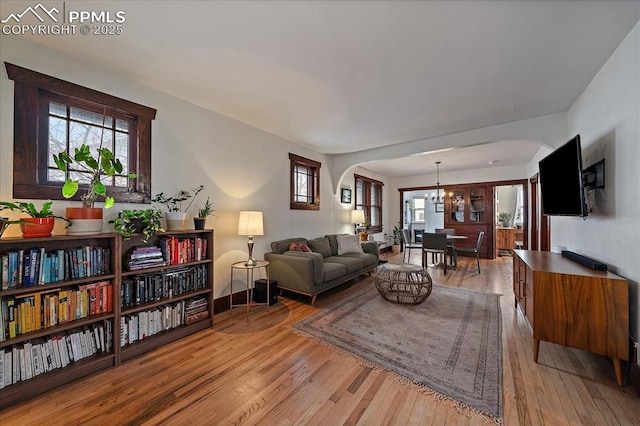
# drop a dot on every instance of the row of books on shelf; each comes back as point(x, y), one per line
point(177, 250)
point(147, 288)
point(142, 257)
point(31, 312)
point(38, 356)
point(144, 324)
point(36, 266)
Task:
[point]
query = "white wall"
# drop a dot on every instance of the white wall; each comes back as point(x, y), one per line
point(607, 117)
point(242, 168)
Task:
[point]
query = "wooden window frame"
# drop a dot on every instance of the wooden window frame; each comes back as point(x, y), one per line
point(366, 199)
point(31, 133)
point(296, 160)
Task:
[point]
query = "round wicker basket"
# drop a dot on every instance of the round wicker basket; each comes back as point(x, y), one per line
point(403, 283)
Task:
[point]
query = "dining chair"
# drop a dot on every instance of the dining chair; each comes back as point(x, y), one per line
point(475, 251)
point(408, 245)
point(451, 244)
point(435, 244)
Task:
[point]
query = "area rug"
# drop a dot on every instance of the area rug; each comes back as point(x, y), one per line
point(450, 345)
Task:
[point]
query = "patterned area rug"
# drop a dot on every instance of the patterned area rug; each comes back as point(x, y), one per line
point(450, 344)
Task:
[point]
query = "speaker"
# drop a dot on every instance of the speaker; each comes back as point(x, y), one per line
point(260, 291)
point(584, 260)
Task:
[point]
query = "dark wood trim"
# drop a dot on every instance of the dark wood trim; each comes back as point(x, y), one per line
point(315, 166)
point(30, 132)
point(56, 85)
point(491, 222)
point(541, 224)
point(366, 199)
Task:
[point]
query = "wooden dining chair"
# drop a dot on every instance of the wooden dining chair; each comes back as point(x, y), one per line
point(435, 244)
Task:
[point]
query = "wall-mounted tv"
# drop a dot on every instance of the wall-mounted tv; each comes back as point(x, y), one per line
point(561, 181)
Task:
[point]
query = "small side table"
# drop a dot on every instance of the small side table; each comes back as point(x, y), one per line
point(249, 285)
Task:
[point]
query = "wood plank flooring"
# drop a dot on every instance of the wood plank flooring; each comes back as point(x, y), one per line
point(258, 372)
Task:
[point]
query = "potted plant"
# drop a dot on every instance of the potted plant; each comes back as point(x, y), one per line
point(175, 215)
point(504, 218)
point(205, 211)
point(129, 222)
point(5, 222)
point(397, 239)
point(39, 222)
point(88, 219)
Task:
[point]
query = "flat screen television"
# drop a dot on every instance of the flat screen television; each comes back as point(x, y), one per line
point(561, 181)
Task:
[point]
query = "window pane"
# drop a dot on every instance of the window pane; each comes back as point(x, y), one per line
point(57, 109)
point(122, 125)
point(57, 138)
point(55, 175)
point(91, 117)
point(122, 151)
point(82, 177)
point(418, 203)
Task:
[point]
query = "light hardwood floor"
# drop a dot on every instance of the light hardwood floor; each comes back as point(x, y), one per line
point(258, 372)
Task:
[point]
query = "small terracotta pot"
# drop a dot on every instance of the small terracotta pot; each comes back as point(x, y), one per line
point(42, 227)
point(84, 220)
point(84, 213)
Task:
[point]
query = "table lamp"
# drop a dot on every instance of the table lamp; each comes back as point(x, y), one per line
point(250, 223)
point(357, 218)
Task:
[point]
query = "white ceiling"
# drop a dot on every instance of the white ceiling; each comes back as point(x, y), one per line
point(353, 75)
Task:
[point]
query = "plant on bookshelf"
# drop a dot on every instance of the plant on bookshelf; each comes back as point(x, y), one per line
point(205, 211)
point(129, 222)
point(175, 215)
point(40, 221)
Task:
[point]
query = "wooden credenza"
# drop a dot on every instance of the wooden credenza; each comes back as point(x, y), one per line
point(506, 238)
point(571, 305)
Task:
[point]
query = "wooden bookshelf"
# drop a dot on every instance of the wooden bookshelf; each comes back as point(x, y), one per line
point(115, 274)
point(34, 329)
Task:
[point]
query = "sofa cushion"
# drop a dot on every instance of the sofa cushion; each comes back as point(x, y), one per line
point(367, 258)
point(320, 245)
point(283, 245)
point(349, 244)
point(353, 264)
point(333, 243)
point(332, 271)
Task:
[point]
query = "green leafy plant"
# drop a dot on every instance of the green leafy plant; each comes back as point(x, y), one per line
point(30, 209)
point(174, 204)
point(397, 234)
point(504, 218)
point(105, 165)
point(147, 221)
point(5, 222)
point(206, 210)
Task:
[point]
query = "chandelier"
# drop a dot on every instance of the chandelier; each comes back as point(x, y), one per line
point(436, 198)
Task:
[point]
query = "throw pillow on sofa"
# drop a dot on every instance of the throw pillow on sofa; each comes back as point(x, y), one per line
point(349, 244)
point(294, 246)
point(320, 245)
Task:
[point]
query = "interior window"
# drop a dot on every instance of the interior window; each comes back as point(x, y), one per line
point(305, 183)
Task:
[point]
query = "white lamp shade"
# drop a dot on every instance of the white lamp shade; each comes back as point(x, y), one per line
point(250, 223)
point(357, 216)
